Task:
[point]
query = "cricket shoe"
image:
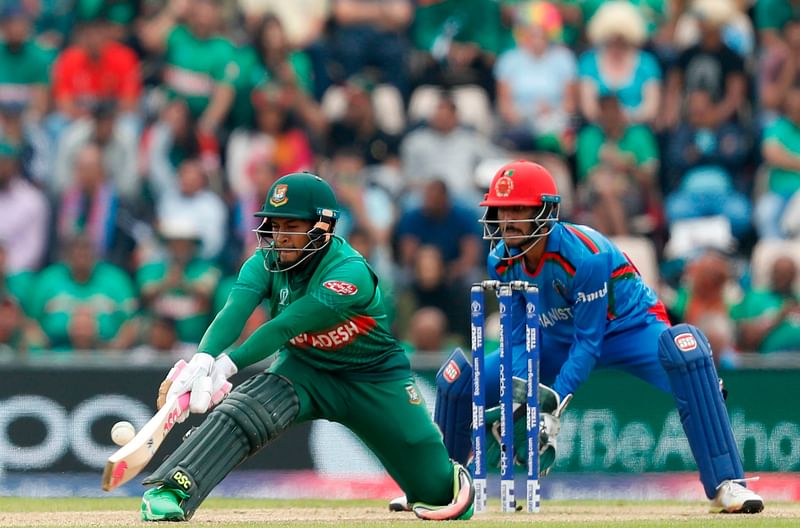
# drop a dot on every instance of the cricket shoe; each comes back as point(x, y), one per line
point(399, 504)
point(461, 508)
point(163, 504)
point(733, 497)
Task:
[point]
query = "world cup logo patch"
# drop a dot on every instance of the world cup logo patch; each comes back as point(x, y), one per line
point(278, 197)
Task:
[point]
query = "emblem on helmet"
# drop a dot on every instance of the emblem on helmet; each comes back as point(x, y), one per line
point(504, 186)
point(278, 197)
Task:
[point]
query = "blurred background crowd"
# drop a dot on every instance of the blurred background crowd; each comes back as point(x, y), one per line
point(137, 137)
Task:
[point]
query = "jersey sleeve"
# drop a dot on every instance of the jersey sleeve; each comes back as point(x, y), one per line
point(590, 306)
point(325, 305)
point(252, 285)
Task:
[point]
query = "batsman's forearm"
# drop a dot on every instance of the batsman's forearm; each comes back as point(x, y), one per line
point(229, 322)
point(304, 315)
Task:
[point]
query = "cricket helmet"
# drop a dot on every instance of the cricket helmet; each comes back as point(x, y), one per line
point(521, 184)
point(302, 196)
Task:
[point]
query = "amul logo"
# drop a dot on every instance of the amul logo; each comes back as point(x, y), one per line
point(685, 342)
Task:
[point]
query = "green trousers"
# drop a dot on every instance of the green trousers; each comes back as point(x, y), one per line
point(390, 417)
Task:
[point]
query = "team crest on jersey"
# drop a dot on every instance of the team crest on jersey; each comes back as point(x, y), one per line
point(451, 371)
point(279, 197)
point(413, 395)
point(341, 287)
point(504, 185)
point(685, 342)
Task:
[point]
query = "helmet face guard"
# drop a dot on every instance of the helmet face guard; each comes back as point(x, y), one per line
point(543, 221)
point(319, 236)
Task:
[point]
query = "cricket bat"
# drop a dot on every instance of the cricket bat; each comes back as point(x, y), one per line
point(130, 459)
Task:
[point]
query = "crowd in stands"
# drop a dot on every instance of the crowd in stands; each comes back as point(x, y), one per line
point(137, 137)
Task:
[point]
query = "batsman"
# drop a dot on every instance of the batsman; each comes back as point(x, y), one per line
point(595, 312)
point(335, 359)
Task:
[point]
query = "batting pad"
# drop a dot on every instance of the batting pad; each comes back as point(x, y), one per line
point(453, 411)
point(250, 417)
point(686, 356)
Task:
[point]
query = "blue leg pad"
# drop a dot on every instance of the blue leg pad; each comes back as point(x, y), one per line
point(453, 413)
point(686, 356)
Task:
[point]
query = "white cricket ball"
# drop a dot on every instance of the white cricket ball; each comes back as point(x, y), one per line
point(122, 433)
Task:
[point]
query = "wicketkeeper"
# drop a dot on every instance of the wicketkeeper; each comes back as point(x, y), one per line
point(595, 312)
point(336, 359)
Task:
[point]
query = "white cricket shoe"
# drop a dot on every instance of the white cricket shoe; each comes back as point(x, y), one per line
point(399, 504)
point(733, 497)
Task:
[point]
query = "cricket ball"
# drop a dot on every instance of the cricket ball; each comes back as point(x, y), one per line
point(122, 433)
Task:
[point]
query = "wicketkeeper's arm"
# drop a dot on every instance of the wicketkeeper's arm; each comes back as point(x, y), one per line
point(591, 289)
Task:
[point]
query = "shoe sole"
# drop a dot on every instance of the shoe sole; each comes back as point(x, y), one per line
point(750, 506)
point(393, 507)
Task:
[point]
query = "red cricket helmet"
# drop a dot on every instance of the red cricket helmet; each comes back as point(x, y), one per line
point(527, 184)
point(521, 183)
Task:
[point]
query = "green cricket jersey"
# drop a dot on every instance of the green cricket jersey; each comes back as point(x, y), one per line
point(194, 66)
point(108, 294)
point(20, 70)
point(191, 317)
point(330, 314)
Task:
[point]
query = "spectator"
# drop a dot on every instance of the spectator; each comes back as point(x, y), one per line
point(707, 191)
point(445, 149)
point(16, 331)
point(364, 204)
point(24, 215)
point(358, 127)
point(537, 83)
point(699, 140)
point(19, 129)
point(89, 204)
point(617, 164)
point(277, 138)
point(15, 285)
point(449, 227)
point(768, 319)
point(179, 287)
point(303, 20)
point(457, 42)
point(771, 17)
point(194, 199)
point(781, 150)
point(705, 289)
point(427, 333)
point(170, 141)
point(95, 68)
point(118, 144)
point(616, 65)
point(23, 63)
point(199, 61)
point(250, 189)
point(371, 33)
point(710, 65)
point(84, 304)
point(432, 288)
point(271, 59)
point(737, 29)
point(779, 72)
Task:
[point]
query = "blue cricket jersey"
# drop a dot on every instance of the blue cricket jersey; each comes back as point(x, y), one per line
point(593, 308)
